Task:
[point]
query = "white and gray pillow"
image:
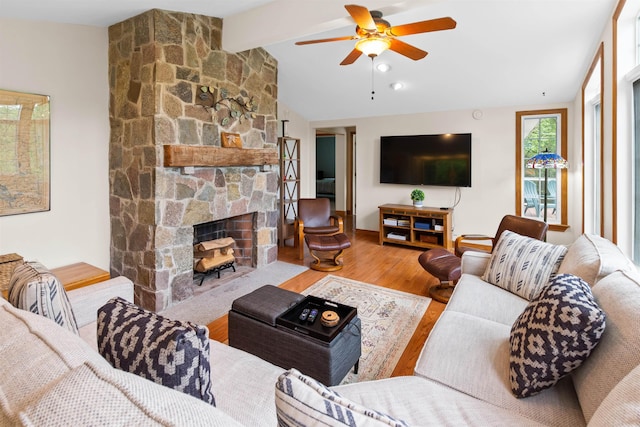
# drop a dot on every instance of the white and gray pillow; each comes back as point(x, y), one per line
point(168, 352)
point(303, 401)
point(523, 265)
point(554, 335)
point(34, 288)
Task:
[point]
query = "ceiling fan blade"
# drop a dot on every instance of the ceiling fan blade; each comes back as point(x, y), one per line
point(407, 50)
point(351, 58)
point(333, 39)
point(362, 16)
point(423, 27)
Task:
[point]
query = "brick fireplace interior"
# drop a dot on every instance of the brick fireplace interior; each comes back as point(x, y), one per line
point(241, 228)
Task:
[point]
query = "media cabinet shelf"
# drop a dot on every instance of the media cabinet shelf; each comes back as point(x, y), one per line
point(424, 227)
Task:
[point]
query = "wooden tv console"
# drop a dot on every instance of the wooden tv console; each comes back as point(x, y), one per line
point(425, 227)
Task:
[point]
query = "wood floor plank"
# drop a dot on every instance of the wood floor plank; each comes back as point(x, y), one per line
point(392, 266)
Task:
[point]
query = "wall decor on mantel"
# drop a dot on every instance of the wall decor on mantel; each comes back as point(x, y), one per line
point(231, 140)
point(24, 153)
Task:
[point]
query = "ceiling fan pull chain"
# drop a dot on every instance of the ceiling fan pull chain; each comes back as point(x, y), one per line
point(373, 92)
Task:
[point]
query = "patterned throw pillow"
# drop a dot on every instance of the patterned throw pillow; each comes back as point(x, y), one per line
point(523, 265)
point(554, 335)
point(167, 352)
point(303, 401)
point(34, 288)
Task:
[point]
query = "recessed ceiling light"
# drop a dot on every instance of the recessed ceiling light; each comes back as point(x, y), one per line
point(396, 86)
point(383, 68)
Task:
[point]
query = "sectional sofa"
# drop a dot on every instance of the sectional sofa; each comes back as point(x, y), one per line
point(51, 376)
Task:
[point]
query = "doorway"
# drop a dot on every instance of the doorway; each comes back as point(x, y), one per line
point(336, 171)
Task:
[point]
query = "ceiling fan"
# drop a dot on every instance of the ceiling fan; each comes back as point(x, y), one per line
point(375, 35)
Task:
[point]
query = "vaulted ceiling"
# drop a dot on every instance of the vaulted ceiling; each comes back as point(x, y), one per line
point(502, 52)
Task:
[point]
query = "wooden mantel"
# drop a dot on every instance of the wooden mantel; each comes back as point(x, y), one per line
point(199, 155)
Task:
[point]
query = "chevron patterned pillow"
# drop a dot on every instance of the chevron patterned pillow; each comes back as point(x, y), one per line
point(554, 335)
point(523, 265)
point(168, 352)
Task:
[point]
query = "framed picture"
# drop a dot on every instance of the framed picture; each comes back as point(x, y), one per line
point(231, 140)
point(24, 153)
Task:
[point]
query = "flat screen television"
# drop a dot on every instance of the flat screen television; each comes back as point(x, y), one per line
point(442, 160)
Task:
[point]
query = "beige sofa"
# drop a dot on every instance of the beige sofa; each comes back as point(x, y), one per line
point(49, 376)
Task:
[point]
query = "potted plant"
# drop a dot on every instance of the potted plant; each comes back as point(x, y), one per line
point(417, 196)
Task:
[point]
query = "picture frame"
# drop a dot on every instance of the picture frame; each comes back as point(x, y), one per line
point(25, 161)
point(231, 140)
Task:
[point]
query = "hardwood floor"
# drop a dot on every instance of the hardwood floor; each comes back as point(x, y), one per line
point(391, 266)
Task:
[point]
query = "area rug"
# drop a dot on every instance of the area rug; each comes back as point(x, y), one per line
point(389, 319)
point(207, 306)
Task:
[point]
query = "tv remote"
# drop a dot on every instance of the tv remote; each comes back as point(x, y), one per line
point(313, 315)
point(304, 315)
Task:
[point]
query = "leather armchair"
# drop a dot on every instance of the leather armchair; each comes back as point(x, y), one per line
point(314, 217)
point(524, 226)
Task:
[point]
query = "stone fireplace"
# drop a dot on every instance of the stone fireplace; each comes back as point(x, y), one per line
point(158, 63)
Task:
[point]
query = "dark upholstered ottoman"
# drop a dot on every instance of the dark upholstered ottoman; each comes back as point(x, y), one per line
point(446, 267)
point(252, 328)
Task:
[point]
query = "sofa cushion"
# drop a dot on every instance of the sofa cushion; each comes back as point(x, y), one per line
point(168, 352)
point(34, 354)
point(621, 407)
point(554, 335)
point(523, 265)
point(592, 257)
point(34, 288)
point(474, 296)
point(436, 405)
point(471, 355)
point(243, 385)
point(93, 395)
point(88, 299)
point(618, 295)
point(301, 400)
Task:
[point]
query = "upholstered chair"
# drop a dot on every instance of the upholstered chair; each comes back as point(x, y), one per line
point(314, 217)
point(529, 227)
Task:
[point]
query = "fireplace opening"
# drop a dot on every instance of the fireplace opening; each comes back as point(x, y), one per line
point(239, 231)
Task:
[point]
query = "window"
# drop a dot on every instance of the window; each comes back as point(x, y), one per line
point(636, 173)
point(538, 132)
point(637, 28)
point(596, 176)
point(593, 148)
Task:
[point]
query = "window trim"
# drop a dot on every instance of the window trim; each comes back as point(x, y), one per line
point(563, 112)
point(599, 57)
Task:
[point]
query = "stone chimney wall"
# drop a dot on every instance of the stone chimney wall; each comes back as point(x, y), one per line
point(158, 61)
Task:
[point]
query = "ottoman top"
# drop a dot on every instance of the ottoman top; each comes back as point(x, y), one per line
point(265, 304)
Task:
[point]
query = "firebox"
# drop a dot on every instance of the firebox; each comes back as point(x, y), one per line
point(241, 228)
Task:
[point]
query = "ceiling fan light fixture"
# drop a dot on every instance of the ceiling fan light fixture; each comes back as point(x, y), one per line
point(373, 46)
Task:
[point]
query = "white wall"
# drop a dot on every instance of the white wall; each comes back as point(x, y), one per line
point(298, 127)
point(68, 63)
point(492, 194)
